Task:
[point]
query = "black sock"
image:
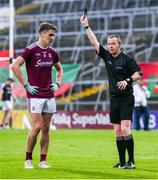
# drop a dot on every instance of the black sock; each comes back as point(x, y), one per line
point(121, 148)
point(129, 142)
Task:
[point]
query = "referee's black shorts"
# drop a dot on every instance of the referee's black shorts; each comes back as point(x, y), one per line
point(121, 108)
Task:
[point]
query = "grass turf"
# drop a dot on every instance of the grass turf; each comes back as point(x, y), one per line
point(78, 154)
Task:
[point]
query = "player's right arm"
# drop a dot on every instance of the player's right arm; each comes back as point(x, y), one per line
point(91, 36)
point(16, 69)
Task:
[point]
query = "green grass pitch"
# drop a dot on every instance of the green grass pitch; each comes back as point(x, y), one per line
point(78, 154)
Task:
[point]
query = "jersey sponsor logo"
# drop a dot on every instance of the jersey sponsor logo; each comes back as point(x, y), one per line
point(41, 63)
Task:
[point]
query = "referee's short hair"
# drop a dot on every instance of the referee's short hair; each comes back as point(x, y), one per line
point(45, 26)
point(115, 36)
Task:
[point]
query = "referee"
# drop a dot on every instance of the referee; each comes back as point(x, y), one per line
point(122, 72)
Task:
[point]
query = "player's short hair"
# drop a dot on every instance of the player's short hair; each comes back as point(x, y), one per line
point(45, 26)
point(116, 36)
point(10, 79)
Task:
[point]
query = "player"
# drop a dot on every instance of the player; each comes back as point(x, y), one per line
point(39, 58)
point(7, 105)
point(122, 72)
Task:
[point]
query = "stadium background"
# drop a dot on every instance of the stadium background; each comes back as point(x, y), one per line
point(84, 89)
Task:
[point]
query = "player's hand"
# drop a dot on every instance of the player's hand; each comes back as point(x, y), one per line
point(31, 89)
point(54, 87)
point(121, 85)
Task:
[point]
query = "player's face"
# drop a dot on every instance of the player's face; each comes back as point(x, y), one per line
point(8, 82)
point(48, 37)
point(113, 46)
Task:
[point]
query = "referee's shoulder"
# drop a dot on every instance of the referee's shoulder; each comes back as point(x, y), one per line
point(128, 57)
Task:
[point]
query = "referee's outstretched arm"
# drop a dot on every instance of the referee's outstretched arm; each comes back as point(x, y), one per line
point(91, 36)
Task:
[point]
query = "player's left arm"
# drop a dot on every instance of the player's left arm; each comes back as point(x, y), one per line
point(59, 74)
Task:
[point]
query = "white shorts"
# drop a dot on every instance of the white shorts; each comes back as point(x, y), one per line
point(39, 105)
point(7, 105)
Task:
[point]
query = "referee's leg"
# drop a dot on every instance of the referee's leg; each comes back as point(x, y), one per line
point(129, 142)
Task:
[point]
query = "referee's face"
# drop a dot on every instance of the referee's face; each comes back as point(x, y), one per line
point(113, 46)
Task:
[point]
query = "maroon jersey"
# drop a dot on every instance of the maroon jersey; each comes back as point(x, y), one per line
point(39, 62)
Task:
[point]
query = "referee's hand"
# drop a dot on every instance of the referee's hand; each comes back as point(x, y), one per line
point(121, 85)
point(84, 20)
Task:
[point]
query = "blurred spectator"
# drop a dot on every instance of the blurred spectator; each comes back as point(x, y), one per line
point(7, 105)
point(141, 93)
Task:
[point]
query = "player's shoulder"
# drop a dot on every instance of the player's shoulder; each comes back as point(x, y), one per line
point(32, 46)
point(52, 50)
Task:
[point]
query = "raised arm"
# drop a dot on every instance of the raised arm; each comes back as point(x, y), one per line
point(91, 36)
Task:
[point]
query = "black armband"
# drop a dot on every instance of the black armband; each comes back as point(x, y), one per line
point(86, 27)
point(58, 85)
point(129, 81)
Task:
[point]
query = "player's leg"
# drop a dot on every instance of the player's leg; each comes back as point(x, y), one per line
point(32, 138)
point(35, 107)
point(5, 114)
point(48, 110)
point(36, 127)
point(5, 109)
point(8, 108)
point(8, 122)
point(44, 141)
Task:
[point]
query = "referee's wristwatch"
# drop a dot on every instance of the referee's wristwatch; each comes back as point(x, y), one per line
point(129, 80)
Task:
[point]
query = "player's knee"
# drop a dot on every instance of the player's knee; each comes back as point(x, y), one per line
point(37, 127)
point(45, 128)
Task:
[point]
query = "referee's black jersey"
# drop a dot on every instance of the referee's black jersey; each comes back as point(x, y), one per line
point(118, 69)
point(7, 92)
